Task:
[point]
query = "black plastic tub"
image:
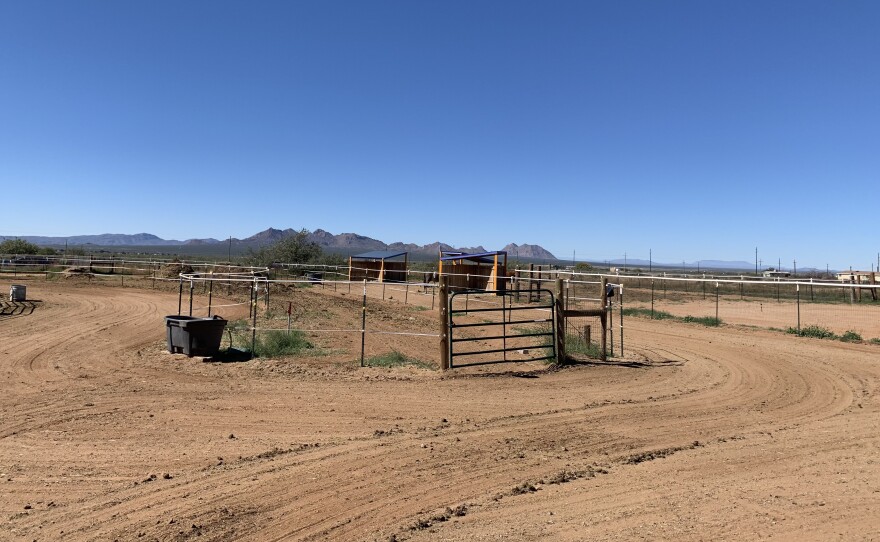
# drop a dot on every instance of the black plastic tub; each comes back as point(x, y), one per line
point(194, 336)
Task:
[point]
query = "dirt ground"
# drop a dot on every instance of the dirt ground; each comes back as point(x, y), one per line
point(839, 318)
point(698, 434)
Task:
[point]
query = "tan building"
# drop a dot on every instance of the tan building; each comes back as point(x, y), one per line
point(858, 277)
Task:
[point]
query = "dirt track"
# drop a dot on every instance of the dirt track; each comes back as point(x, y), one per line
point(700, 434)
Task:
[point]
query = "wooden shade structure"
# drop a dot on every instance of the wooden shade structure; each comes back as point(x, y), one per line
point(481, 271)
point(379, 265)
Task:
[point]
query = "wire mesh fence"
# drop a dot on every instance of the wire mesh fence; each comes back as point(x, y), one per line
point(840, 308)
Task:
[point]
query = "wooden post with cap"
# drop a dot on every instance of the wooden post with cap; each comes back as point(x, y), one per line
point(444, 322)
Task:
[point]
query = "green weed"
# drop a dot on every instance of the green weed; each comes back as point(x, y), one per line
point(395, 359)
point(273, 344)
point(851, 337)
point(814, 331)
point(575, 344)
point(646, 313)
point(710, 321)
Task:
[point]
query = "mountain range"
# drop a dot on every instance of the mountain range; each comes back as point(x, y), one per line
point(347, 242)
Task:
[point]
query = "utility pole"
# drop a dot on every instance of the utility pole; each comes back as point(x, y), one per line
point(795, 268)
point(229, 256)
point(756, 261)
point(650, 262)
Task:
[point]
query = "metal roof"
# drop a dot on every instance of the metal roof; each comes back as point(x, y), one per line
point(479, 257)
point(379, 255)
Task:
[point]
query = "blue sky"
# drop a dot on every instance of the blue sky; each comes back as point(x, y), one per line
point(695, 130)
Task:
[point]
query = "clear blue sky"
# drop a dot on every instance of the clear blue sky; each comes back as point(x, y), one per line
point(697, 130)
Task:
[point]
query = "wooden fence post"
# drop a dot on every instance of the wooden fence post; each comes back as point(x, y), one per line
point(443, 301)
point(560, 321)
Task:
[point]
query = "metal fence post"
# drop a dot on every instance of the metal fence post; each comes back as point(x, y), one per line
point(364, 323)
point(254, 321)
point(621, 319)
point(603, 304)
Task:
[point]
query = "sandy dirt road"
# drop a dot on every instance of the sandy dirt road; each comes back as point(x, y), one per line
point(699, 434)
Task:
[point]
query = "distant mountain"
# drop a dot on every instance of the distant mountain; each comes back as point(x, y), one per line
point(266, 237)
point(535, 252)
point(209, 241)
point(104, 239)
point(347, 242)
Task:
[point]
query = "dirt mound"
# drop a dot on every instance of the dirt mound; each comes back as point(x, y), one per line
point(173, 270)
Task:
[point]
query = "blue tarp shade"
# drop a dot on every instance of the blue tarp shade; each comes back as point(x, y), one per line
point(379, 255)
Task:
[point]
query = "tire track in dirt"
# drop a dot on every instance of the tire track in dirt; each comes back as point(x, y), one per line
point(384, 485)
point(312, 503)
point(76, 331)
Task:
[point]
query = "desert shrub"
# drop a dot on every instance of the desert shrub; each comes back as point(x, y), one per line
point(646, 313)
point(18, 246)
point(851, 337)
point(875, 340)
point(273, 344)
point(710, 321)
point(814, 331)
point(295, 248)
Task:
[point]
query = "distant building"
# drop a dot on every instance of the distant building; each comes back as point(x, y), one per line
point(857, 277)
point(774, 274)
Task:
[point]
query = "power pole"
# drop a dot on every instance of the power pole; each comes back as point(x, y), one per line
point(650, 262)
point(756, 261)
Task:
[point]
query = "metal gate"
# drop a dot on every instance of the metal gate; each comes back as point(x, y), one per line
point(515, 342)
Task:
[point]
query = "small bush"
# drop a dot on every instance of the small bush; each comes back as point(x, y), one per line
point(395, 359)
point(875, 340)
point(814, 331)
point(272, 344)
point(851, 337)
point(710, 321)
point(646, 313)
